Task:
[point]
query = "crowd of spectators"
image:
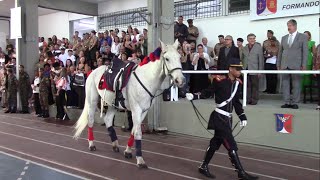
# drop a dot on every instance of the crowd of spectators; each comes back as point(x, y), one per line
point(64, 65)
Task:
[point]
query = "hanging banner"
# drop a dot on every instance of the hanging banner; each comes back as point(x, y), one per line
point(267, 9)
point(15, 23)
point(284, 123)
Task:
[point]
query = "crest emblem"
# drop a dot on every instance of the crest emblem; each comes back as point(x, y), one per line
point(284, 123)
point(266, 7)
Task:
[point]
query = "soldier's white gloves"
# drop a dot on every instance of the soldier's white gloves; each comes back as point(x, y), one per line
point(243, 123)
point(189, 96)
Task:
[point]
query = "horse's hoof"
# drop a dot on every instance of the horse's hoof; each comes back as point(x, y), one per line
point(115, 149)
point(92, 148)
point(142, 166)
point(127, 155)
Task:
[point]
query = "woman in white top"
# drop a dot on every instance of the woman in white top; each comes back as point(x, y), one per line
point(35, 91)
point(201, 61)
point(61, 85)
point(115, 48)
point(135, 36)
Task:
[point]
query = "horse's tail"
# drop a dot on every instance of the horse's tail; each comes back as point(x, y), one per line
point(82, 121)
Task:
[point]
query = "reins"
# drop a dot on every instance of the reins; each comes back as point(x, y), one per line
point(199, 115)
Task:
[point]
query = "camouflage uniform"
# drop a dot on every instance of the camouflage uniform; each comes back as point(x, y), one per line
point(12, 93)
point(43, 95)
point(4, 90)
point(25, 90)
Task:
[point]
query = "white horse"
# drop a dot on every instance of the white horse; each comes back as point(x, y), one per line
point(138, 99)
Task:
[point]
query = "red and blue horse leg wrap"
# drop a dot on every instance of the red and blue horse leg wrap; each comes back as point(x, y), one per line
point(112, 134)
point(90, 134)
point(131, 140)
point(138, 148)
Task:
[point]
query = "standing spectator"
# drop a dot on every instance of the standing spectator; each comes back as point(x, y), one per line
point(123, 36)
point(271, 64)
point(145, 42)
point(311, 51)
point(72, 95)
point(253, 60)
point(103, 47)
point(24, 89)
point(186, 65)
point(107, 38)
point(9, 47)
point(180, 30)
point(35, 91)
point(227, 52)
point(129, 46)
point(61, 85)
point(79, 82)
point(293, 55)
point(4, 89)
point(193, 32)
point(93, 48)
point(44, 87)
point(316, 66)
point(135, 36)
point(200, 61)
point(71, 56)
point(12, 92)
point(115, 48)
point(240, 47)
point(75, 38)
point(63, 56)
point(209, 50)
point(219, 45)
point(267, 42)
point(130, 30)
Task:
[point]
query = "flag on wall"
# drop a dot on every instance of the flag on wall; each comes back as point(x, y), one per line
point(284, 123)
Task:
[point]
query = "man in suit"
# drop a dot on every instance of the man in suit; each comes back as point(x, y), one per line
point(209, 50)
point(253, 60)
point(226, 52)
point(293, 55)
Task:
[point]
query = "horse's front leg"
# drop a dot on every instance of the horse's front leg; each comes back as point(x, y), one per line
point(136, 138)
point(108, 119)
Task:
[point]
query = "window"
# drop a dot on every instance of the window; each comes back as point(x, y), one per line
point(239, 6)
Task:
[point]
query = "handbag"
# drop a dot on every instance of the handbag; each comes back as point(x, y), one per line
point(79, 79)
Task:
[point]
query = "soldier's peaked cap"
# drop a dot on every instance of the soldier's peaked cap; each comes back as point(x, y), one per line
point(235, 62)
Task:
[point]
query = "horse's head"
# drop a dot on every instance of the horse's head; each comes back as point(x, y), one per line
point(171, 63)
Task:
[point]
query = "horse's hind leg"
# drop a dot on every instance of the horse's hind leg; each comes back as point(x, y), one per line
point(90, 106)
point(108, 120)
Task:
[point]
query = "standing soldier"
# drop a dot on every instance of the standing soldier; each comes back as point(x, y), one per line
point(226, 91)
point(3, 88)
point(44, 86)
point(12, 92)
point(24, 89)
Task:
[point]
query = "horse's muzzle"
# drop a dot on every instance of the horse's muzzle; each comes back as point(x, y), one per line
point(180, 82)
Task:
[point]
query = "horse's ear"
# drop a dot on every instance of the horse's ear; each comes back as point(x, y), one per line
point(163, 46)
point(176, 44)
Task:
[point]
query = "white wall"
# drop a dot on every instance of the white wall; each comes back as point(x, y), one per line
point(57, 24)
point(120, 5)
point(54, 24)
point(4, 32)
point(240, 26)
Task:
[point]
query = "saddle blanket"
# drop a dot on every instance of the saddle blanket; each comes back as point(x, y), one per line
point(119, 72)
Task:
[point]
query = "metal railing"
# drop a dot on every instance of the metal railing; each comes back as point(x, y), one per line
point(174, 94)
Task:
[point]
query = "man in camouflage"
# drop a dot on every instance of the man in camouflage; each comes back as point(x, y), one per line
point(12, 92)
point(24, 89)
point(44, 86)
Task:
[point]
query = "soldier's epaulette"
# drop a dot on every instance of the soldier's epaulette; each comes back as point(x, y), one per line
point(239, 81)
point(220, 77)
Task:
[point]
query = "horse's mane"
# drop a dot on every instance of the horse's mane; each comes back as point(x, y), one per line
point(155, 55)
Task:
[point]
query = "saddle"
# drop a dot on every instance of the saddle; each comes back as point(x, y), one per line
point(115, 78)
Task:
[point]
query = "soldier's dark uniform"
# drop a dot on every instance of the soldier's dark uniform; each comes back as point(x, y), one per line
point(12, 84)
point(25, 90)
point(226, 92)
point(44, 87)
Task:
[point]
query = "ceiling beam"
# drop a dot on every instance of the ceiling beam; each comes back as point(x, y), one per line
point(73, 6)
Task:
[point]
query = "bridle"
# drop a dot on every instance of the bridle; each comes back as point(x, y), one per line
point(165, 68)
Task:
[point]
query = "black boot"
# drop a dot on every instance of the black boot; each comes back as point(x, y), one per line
point(203, 169)
point(41, 114)
point(236, 163)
